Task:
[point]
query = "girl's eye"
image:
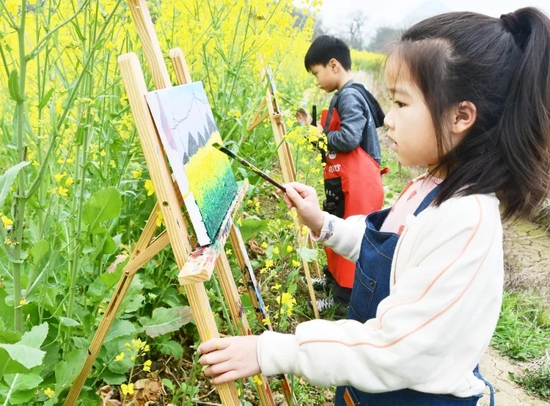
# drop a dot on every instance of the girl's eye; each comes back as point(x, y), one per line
point(399, 104)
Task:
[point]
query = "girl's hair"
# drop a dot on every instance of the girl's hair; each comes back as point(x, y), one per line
point(502, 66)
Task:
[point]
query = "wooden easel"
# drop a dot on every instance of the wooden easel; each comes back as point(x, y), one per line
point(196, 266)
point(272, 110)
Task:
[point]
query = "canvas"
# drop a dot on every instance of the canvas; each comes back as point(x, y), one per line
point(186, 127)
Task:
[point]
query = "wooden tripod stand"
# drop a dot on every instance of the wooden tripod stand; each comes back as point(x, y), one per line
point(196, 266)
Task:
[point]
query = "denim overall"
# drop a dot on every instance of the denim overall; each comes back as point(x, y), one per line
point(370, 287)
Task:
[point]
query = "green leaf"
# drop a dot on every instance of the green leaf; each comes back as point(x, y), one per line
point(165, 320)
point(22, 397)
point(112, 378)
point(307, 254)
point(13, 86)
point(120, 328)
point(67, 371)
point(19, 357)
point(36, 336)
point(46, 98)
point(40, 250)
point(69, 322)
point(22, 382)
point(171, 348)
point(250, 227)
point(102, 206)
point(6, 312)
point(7, 179)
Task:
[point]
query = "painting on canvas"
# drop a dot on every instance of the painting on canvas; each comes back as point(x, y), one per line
point(186, 126)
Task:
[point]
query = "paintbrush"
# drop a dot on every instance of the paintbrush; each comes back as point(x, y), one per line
point(249, 165)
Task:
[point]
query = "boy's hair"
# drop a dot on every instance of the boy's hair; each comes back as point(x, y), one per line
point(324, 48)
point(502, 66)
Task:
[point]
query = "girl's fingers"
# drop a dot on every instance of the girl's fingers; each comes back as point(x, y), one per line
point(214, 357)
point(212, 345)
point(228, 376)
point(217, 369)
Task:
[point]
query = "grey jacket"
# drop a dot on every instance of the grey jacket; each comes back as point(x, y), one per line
point(353, 111)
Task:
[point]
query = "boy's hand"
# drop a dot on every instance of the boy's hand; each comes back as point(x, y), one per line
point(303, 117)
point(304, 199)
point(231, 358)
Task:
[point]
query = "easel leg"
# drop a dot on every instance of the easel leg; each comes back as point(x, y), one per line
point(256, 297)
point(232, 298)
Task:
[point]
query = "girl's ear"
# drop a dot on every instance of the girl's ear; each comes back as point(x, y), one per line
point(463, 117)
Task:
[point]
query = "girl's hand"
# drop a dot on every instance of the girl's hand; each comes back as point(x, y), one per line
point(304, 199)
point(229, 358)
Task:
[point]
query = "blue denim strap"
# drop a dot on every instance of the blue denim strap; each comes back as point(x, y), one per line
point(487, 383)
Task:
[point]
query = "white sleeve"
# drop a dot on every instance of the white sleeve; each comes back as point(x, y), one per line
point(343, 236)
point(434, 327)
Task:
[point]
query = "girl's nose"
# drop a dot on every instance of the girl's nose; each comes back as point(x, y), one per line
point(388, 120)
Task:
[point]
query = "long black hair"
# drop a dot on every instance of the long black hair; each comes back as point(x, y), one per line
point(502, 66)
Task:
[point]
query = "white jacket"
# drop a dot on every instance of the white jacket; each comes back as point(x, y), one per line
point(432, 330)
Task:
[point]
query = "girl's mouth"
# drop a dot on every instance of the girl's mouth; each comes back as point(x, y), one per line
point(394, 144)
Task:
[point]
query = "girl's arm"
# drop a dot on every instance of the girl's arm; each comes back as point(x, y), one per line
point(431, 331)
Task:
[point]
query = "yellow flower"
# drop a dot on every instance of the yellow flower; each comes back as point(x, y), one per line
point(263, 270)
point(266, 321)
point(103, 153)
point(137, 344)
point(289, 248)
point(258, 380)
point(127, 389)
point(304, 230)
point(264, 245)
point(48, 392)
point(69, 181)
point(133, 358)
point(62, 191)
point(149, 187)
point(295, 263)
point(228, 251)
point(13, 6)
point(59, 176)
point(6, 221)
point(160, 220)
point(268, 263)
point(120, 356)
point(276, 250)
point(136, 174)
point(22, 302)
point(147, 365)
point(277, 286)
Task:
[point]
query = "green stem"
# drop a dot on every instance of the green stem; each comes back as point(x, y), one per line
point(8, 16)
point(44, 39)
point(20, 200)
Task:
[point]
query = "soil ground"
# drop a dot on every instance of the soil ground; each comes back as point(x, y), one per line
point(527, 253)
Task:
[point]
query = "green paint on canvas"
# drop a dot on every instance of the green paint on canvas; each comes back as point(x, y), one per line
point(212, 183)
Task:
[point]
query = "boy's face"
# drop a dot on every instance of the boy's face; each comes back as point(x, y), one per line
point(326, 76)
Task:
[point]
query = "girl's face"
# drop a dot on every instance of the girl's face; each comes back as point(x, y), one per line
point(409, 122)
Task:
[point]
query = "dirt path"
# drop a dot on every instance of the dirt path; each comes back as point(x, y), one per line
point(495, 369)
point(527, 253)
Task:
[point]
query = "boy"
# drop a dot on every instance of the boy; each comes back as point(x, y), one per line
point(352, 172)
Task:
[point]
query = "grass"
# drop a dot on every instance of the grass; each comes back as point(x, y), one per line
point(523, 334)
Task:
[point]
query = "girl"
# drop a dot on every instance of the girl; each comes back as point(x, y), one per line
point(471, 101)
